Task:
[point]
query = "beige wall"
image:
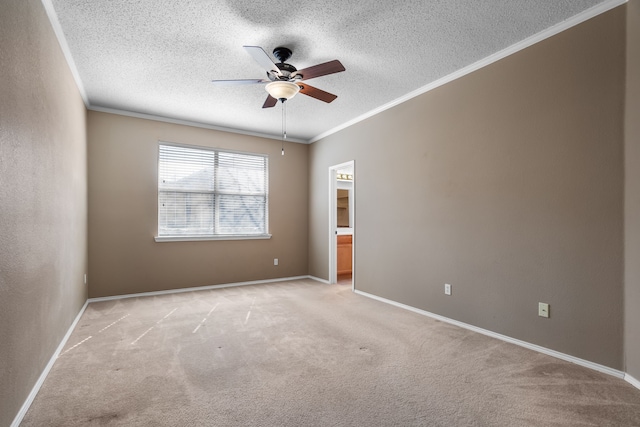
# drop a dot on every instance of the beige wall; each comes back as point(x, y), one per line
point(123, 256)
point(43, 198)
point(506, 183)
point(510, 178)
point(632, 193)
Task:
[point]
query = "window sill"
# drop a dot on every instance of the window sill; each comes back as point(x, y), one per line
point(205, 238)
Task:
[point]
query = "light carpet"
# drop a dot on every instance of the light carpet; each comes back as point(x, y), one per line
point(302, 353)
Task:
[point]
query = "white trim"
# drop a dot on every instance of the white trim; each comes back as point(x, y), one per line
point(333, 224)
point(634, 382)
point(536, 38)
point(595, 366)
point(197, 288)
point(191, 124)
point(529, 41)
point(352, 206)
point(163, 239)
point(62, 41)
point(317, 279)
point(36, 388)
point(333, 220)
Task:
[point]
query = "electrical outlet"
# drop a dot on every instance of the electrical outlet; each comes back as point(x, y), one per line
point(275, 261)
point(543, 309)
point(447, 289)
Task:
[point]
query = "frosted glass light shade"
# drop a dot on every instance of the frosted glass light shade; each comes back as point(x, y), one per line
point(282, 89)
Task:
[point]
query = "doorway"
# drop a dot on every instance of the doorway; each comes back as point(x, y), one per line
point(342, 224)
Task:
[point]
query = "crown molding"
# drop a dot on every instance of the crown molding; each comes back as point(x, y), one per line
point(190, 123)
point(517, 47)
point(536, 38)
point(62, 41)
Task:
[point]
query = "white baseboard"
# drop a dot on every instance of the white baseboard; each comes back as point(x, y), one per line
point(634, 382)
point(317, 279)
point(544, 350)
point(601, 368)
point(34, 391)
point(197, 288)
point(36, 388)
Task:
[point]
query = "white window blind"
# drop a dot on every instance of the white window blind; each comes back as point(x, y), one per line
point(209, 192)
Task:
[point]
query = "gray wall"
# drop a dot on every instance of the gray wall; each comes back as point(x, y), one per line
point(506, 183)
point(123, 218)
point(43, 199)
point(632, 193)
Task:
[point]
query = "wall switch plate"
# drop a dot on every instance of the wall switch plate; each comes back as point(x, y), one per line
point(543, 309)
point(85, 278)
point(447, 289)
point(275, 261)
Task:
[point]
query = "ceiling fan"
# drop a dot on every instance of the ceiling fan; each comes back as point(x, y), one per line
point(284, 80)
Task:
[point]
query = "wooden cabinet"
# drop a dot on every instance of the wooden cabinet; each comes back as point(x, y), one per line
point(344, 254)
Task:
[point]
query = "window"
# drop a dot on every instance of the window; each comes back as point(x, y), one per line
point(209, 193)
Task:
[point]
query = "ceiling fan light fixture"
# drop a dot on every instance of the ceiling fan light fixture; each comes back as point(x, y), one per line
point(282, 90)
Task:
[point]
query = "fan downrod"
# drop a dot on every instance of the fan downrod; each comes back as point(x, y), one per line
point(282, 53)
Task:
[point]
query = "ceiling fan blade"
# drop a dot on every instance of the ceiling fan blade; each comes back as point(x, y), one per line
point(316, 93)
point(319, 70)
point(269, 102)
point(238, 82)
point(262, 58)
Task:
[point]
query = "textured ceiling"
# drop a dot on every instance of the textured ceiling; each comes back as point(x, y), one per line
point(158, 57)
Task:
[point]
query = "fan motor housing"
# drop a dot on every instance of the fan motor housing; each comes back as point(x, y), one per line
point(286, 69)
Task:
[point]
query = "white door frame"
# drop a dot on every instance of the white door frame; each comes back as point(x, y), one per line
point(333, 223)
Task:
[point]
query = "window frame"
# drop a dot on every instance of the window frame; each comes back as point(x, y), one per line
point(189, 238)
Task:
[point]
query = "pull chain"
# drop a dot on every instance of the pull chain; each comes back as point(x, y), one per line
point(284, 124)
